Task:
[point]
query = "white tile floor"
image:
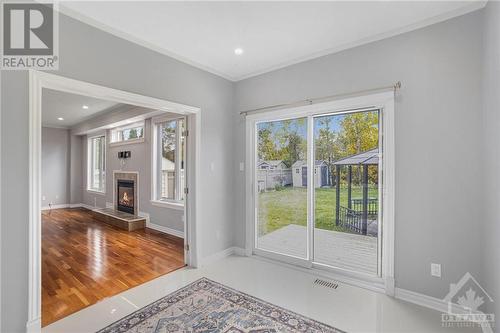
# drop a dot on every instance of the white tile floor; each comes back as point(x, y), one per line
point(348, 308)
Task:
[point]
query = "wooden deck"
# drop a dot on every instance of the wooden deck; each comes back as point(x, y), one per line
point(338, 249)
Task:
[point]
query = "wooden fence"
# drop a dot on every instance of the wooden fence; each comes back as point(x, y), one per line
point(269, 179)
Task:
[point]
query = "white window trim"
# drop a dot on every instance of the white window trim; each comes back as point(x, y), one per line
point(384, 101)
point(89, 164)
point(141, 123)
point(126, 142)
point(166, 203)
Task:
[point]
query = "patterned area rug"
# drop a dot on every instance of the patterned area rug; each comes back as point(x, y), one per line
point(207, 306)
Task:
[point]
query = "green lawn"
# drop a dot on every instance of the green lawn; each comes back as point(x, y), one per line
point(289, 206)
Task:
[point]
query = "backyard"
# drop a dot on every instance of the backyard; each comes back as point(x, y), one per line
point(288, 205)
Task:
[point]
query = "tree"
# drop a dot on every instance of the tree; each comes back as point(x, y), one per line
point(358, 133)
point(132, 134)
point(325, 144)
point(168, 142)
point(293, 143)
point(266, 146)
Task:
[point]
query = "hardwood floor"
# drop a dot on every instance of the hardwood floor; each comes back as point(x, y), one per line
point(85, 261)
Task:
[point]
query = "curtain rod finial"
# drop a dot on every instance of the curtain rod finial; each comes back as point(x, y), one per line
point(397, 85)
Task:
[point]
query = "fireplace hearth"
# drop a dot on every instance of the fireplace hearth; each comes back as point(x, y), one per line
point(125, 201)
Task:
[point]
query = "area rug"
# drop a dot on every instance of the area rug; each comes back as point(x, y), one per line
point(208, 306)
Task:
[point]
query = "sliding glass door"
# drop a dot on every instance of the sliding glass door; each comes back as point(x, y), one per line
point(317, 189)
point(346, 191)
point(281, 183)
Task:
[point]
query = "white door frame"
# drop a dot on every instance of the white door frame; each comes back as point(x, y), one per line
point(384, 101)
point(39, 80)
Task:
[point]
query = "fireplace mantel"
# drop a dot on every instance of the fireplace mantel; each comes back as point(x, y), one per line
point(126, 175)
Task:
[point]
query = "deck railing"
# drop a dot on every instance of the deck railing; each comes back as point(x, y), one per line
point(350, 219)
point(357, 206)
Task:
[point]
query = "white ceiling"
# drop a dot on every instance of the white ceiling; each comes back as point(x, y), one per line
point(57, 104)
point(272, 34)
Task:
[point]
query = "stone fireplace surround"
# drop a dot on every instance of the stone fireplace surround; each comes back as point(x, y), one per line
point(126, 175)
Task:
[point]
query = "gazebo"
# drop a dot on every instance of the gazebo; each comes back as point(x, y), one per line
point(351, 216)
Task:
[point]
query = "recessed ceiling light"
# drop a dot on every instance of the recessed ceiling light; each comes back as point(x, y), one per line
point(238, 51)
point(85, 107)
point(60, 118)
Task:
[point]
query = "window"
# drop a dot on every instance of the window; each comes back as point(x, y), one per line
point(96, 156)
point(169, 160)
point(129, 133)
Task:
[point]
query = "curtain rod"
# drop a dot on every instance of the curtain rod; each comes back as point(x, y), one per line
point(396, 86)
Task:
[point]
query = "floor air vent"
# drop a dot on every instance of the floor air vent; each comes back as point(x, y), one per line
point(326, 284)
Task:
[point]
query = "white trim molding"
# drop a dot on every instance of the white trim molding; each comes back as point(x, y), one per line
point(166, 230)
point(33, 326)
point(222, 254)
point(58, 206)
point(126, 142)
point(39, 80)
point(427, 301)
point(168, 204)
point(383, 101)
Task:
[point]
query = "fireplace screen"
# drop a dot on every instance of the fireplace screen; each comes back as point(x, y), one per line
point(125, 193)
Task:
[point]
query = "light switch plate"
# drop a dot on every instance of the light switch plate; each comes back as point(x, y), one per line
point(436, 270)
point(242, 166)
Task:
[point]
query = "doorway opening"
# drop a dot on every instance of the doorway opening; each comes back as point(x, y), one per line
point(98, 222)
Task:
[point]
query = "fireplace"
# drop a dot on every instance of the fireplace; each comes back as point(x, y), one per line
point(125, 201)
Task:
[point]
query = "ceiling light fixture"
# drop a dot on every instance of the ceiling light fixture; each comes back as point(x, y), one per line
point(238, 51)
point(60, 118)
point(85, 107)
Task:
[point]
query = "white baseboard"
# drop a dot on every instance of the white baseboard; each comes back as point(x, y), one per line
point(34, 326)
point(77, 205)
point(163, 229)
point(223, 254)
point(56, 206)
point(427, 301)
point(239, 251)
point(145, 215)
point(82, 205)
point(435, 304)
point(68, 206)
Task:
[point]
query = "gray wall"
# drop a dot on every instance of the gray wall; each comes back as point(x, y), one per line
point(438, 133)
point(76, 171)
point(140, 162)
point(491, 99)
point(92, 55)
point(55, 166)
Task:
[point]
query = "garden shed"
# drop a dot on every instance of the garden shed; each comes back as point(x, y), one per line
point(321, 174)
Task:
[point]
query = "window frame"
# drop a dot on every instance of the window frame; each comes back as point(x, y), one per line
point(118, 131)
point(178, 201)
point(90, 160)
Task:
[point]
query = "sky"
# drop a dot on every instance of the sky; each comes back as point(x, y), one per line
point(301, 127)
